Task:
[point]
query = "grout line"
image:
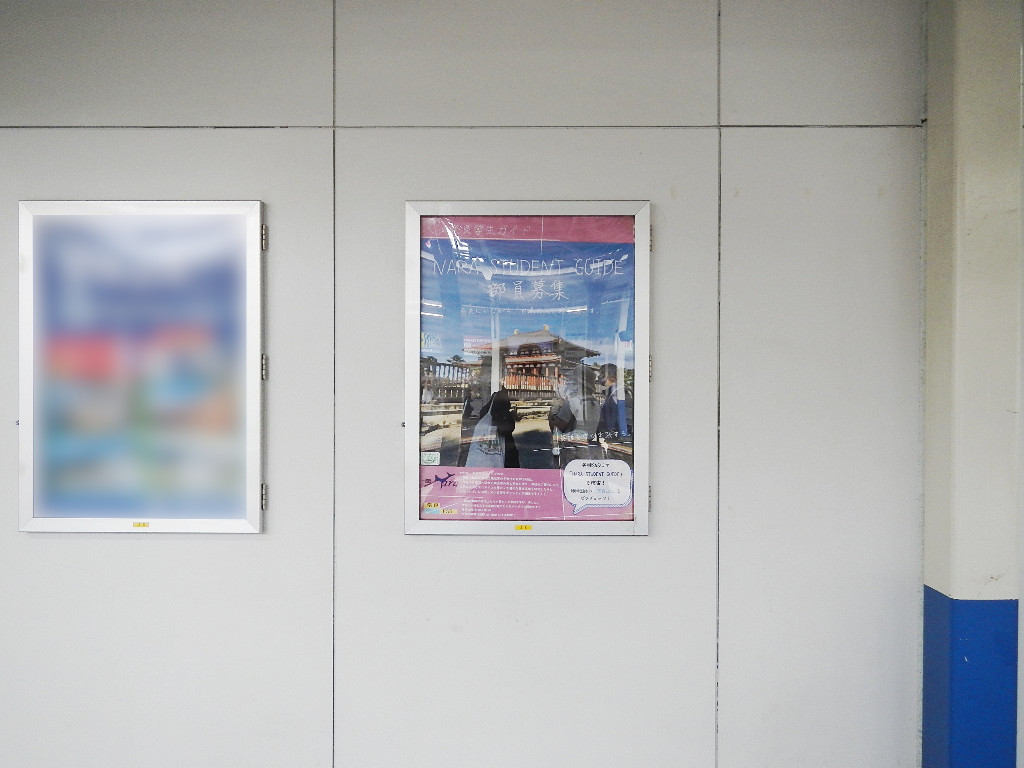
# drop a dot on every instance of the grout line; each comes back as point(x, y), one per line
point(823, 125)
point(691, 126)
point(718, 66)
point(922, 276)
point(334, 64)
point(334, 384)
point(159, 127)
point(334, 444)
point(700, 126)
point(718, 405)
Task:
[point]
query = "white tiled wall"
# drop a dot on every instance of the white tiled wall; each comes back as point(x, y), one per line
point(172, 650)
point(821, 62)
point(532, 62)
point(172, 63)
point(820, 425)
point(555, 652)
point(770, 618)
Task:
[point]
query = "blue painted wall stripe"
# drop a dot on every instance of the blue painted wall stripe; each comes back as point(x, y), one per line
point(969, 717)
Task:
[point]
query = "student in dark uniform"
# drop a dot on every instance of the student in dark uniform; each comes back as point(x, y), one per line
point(616, 418)
point(504, 418)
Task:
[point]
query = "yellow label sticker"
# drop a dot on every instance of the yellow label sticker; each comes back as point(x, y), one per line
point(432, 505)
point(524, 527)
point(450, 511)
point(140, 525)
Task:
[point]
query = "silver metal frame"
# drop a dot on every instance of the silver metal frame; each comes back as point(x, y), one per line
point(251, 210)
point(640, 210)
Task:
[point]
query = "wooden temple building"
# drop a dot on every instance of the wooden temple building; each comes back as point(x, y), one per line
point(532, 362)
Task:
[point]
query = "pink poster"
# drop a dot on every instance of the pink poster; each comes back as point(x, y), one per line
point(527, 362)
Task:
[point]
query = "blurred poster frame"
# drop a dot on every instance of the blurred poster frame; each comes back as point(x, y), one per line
point(527, 371)
point(141, 366)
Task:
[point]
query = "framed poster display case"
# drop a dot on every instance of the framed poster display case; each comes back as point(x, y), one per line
point(140, 366)
point(527, 367)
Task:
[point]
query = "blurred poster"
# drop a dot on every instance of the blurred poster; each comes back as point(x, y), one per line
point(528, 368)
point(141, 316)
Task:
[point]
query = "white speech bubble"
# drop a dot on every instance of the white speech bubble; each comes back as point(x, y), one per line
point(597, 483)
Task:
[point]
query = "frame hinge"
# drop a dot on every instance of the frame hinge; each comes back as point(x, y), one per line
point(263, 497)
point(263, 237)
point(649, 495)
point(650, 368)
point(264, 367)
point(650, 242)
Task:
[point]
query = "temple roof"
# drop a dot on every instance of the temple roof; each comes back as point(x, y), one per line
point(541, 338)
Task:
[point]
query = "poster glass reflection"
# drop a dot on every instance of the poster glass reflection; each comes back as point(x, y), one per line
point(527, 367)
point(140, 332)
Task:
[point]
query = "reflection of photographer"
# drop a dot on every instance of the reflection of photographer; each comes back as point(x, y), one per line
point(492, 443)
point(561, 414)
point(472, 409)
point(503, 413)
point(615, 421)
point(562, 420)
